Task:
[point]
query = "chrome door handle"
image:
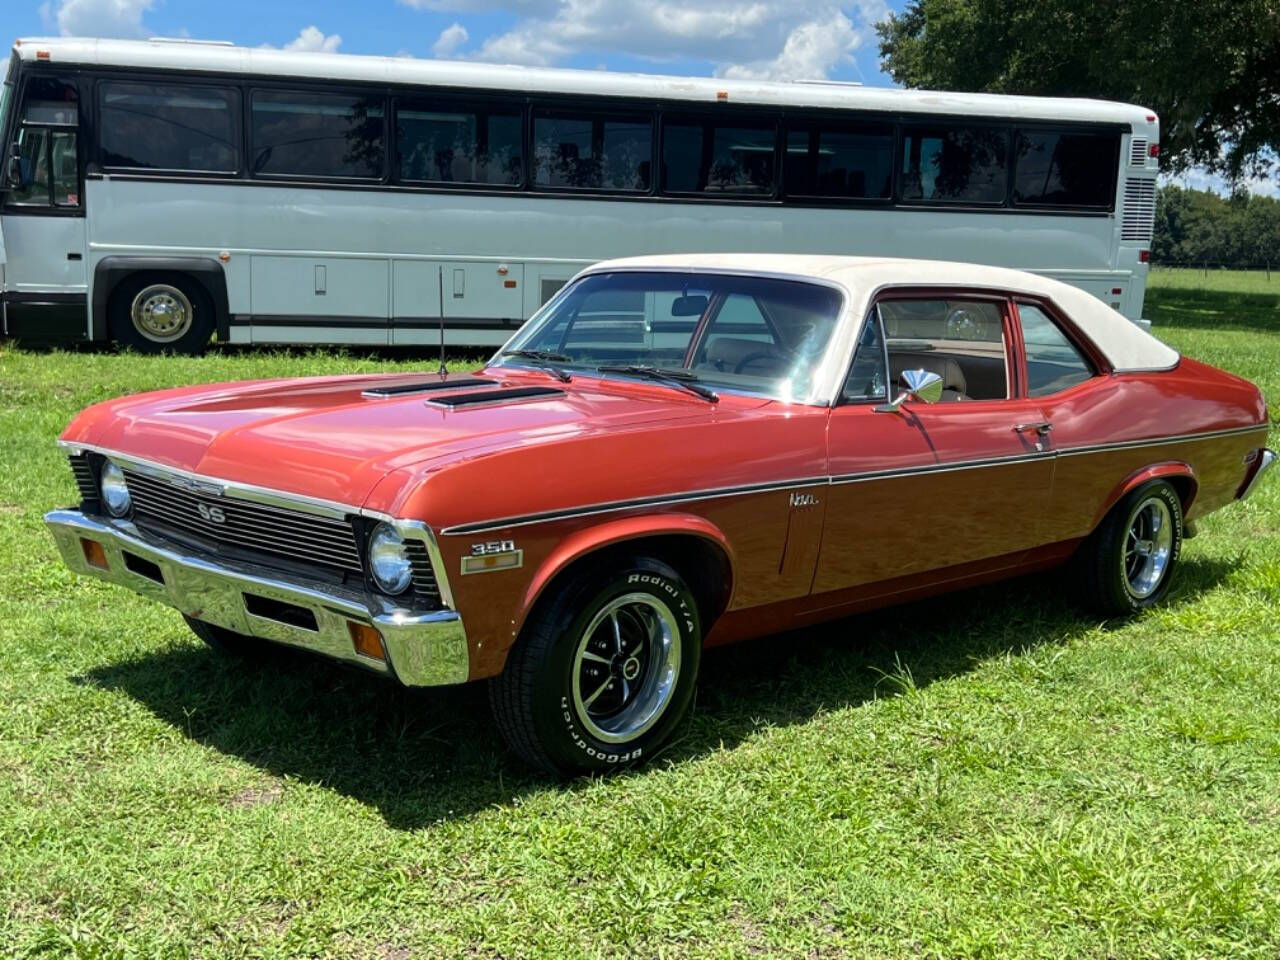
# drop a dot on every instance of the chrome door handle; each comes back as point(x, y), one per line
point(1041, 427)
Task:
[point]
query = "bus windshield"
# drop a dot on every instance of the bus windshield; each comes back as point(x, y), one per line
point(756, 334)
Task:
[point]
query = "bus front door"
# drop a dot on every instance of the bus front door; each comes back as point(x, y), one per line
point(42, 221)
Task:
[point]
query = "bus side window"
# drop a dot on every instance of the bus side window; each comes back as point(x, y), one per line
point(33, 163)
point(64, 169)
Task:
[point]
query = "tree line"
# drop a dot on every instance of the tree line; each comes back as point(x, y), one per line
point(1196, 227)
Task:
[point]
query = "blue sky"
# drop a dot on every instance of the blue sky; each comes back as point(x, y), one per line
point(771, 39)
point(767, 38)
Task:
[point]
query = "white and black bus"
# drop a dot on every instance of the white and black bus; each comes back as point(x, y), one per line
point(159, 193)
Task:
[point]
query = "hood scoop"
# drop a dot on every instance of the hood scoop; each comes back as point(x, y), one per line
point(478, 397)
point(399, 389)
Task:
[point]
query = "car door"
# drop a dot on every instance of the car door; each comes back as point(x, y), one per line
point(919, 488)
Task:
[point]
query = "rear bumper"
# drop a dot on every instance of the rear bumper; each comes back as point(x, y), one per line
point(422, 649)
point(1267, 459)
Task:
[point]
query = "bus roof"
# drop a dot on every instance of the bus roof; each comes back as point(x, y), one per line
point(263, 61)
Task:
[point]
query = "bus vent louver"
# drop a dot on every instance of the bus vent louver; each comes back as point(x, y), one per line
point(1139, 208)
point(1138, 152)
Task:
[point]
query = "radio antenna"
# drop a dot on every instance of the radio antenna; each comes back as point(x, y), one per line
point(444, 370)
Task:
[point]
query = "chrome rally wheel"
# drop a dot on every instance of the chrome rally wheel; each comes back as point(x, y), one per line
point(1148, 546)
point(626, 667)
point(161, 313)
point(603, 670)
point(1126, 564)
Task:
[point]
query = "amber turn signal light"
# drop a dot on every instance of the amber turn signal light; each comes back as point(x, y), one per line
point(94, 555)
point(367, 641)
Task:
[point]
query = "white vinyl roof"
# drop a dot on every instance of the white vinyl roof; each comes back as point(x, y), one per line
point(225, 58)
point(1127, 347)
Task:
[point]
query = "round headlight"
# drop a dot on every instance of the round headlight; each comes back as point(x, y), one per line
point(388, 559)
point(115, 492)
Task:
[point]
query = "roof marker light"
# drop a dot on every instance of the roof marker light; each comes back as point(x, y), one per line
point(42, 54)
point(722, 96)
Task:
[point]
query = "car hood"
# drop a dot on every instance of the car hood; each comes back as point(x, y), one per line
point(330, 439)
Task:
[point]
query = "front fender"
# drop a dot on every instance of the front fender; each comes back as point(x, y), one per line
point(583, 542)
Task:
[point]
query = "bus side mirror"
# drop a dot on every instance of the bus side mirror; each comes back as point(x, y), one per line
point(13, 167)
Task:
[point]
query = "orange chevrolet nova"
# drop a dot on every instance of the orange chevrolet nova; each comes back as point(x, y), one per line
point(674, 452)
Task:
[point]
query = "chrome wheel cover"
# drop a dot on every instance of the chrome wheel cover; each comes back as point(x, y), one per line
point(1148, 545)
point(625, 667)
point(161, 313)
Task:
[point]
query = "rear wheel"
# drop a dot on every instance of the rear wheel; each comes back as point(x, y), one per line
point(603, 672)
point(1127, 563)
point(161, 312)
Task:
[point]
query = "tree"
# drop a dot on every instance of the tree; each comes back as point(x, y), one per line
point(1209, 68)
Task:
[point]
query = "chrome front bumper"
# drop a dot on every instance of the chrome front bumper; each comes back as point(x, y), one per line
point(1268, 458)
point(422, 649)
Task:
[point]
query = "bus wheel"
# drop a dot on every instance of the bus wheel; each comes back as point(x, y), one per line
point(161, 313)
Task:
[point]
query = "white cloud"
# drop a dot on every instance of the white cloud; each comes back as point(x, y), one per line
point(812, 50)
point(98, 18)
point(778, 39)
point(450, 41)
point(314, 40)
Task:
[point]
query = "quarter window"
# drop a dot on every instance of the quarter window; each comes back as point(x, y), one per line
point(576, 152)
point(1056, 169)
point(441, 145)
point(955, 164)
point(962, 341)
point(715, 158)
point(840, 161)
point(317, 135)
point(1054, 363)
point(866, 380)
point(152, 126)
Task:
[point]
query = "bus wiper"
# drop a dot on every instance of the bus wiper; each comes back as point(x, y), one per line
point(544, 360)
point(683, 379)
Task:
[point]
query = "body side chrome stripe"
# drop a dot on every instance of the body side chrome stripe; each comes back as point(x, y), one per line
point(482, 526)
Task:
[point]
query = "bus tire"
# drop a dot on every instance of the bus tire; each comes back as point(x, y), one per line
point(161, 313)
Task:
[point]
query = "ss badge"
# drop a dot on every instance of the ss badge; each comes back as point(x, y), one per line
point(493, 555)
point(212, 514)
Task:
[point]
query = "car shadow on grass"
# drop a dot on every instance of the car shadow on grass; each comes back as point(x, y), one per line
point(421, 756)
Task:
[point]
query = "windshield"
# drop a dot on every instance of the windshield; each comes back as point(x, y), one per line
point(6, 91)
point(756, 334)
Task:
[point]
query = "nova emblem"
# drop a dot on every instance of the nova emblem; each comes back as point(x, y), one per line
point(804, 500)
point(212, 514)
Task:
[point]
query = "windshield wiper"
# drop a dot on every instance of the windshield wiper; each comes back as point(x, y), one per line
point(544, 360)
point(683, 379)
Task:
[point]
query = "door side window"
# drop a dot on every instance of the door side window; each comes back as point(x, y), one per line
point(1054, 363)
point(963, 341)
point(48, 158)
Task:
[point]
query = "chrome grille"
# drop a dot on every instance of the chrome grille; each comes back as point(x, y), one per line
point(426, 592)
point(83, 471)
point(294, 535)
point(1139, 208)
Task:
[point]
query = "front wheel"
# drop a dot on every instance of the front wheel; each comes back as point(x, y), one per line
point(604, 670)
point(161, 312)
point(1127, 563)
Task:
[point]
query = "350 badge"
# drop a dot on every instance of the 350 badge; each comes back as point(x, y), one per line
point(491, 556)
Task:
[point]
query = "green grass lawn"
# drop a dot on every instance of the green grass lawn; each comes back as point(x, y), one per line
point(987, 774)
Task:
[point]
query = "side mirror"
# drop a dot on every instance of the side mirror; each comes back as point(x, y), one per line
point(924, 386)
point(13, 168)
